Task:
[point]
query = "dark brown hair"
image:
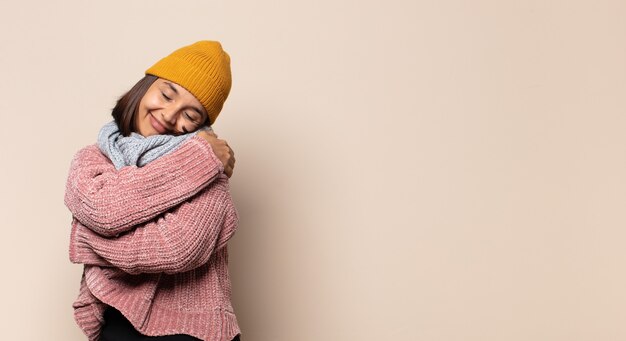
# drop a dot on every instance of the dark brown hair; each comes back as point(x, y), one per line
point(126, 108)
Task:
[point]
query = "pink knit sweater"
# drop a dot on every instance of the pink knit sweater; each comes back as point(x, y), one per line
point(153, 242)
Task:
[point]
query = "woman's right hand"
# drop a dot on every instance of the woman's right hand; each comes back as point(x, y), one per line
point(221, 149)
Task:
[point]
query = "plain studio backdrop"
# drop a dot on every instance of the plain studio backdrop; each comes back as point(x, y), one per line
point(406, 170)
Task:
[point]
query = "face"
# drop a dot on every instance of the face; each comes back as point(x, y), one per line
point(168, 109)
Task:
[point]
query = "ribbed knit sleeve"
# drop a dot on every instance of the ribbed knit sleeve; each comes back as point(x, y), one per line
point(178, 241)
point(110, 201)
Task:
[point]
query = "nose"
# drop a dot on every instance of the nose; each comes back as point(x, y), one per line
point(169, 116)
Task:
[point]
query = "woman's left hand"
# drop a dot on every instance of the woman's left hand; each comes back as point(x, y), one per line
point(221, 149)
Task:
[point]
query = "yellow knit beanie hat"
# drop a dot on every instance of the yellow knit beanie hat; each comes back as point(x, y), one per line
point(203, 68)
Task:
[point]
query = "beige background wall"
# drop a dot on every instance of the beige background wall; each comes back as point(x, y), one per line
point(408, 170)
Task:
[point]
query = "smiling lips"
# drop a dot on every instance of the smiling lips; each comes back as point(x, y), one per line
point(157, 125)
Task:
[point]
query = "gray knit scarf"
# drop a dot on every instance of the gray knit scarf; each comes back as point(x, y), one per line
point(136, 150)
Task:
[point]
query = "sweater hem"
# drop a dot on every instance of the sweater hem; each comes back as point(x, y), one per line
point(218, 323)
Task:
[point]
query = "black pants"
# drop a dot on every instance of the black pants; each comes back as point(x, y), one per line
point(117, 328)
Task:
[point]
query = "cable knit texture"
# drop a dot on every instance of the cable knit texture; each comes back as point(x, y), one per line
point(153, 242)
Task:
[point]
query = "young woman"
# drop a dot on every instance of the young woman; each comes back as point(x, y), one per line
point(151, 207)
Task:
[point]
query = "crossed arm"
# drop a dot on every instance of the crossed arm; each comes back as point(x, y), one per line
point(178, 241)
point(168, 216)
point(111, 202)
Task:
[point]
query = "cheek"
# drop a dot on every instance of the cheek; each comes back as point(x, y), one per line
point(150, 100)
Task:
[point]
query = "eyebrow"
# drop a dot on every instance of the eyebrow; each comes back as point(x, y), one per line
point(194, 108)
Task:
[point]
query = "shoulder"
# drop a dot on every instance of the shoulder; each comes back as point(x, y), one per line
point(90, 150)
point(89, 154)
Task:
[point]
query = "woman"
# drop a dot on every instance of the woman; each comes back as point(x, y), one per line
point(151, 207)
